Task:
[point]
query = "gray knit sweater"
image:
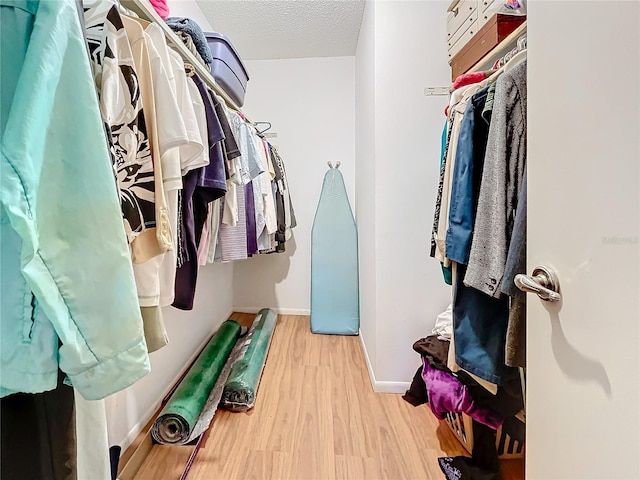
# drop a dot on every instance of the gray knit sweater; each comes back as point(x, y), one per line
point(504, 166)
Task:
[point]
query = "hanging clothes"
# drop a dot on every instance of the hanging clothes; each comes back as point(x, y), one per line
point(284, 208)
point(155, 278)
point(166, 133)
point(58, 255)
point(92, 449)
point(479, 351)
point(266, 237)
point(187, 272)
point(215, 209)
point(501, 183)
point(467, 175)
point(189, 154)
point(457, 116)
point(233, 239)
point(122, 112)
point(483, 161)
point(481, 311)
point(201, 186)
point(515, 353)
point(250, 206)
point(38, 435)
point(152, 77)
point(479, 331)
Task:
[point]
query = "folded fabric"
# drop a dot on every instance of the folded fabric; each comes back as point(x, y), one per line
point(444, 323)
point(161, 7)
point(507, 401)
point(447, 394)
point(417, 393)
point(190, 27)
point(468, 79)
point(434, 350)
point(188, 41)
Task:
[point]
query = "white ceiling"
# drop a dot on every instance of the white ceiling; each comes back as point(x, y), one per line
point(270, 29)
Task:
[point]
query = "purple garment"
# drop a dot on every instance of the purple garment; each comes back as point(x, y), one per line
point(447, 394)
point(187, 272)
point(250, 208)
point(212, 183)
point(200, 187)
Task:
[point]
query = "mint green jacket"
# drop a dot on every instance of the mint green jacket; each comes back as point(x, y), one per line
point(68, 297)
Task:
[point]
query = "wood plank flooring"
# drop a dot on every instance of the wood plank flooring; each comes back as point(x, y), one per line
point(316, 417)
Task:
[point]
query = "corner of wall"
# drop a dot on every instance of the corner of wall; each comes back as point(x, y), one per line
point(398, 131)
point(365, 125)
point(381, 386)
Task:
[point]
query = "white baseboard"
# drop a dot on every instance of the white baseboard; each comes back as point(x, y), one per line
point(380, 386)
point(137, 428)
point(372, 376)
point(391, 387)
point(280, 311)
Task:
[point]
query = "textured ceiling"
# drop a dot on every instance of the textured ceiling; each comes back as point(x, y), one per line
point(269, 29)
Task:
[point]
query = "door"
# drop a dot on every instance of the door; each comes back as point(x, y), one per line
point(583, 372)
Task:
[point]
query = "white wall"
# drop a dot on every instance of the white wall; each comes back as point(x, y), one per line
point(130, 409)
point(310, 103)
point(409, 54)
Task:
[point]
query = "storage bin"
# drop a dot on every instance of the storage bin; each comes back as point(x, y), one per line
point(494, 31)
point(462, 427)
point(227, 67)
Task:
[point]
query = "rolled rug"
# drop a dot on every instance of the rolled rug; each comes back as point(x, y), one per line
point(179, 417)
point(240, 391)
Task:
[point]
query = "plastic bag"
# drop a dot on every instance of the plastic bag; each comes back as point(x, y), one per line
point(508, 7)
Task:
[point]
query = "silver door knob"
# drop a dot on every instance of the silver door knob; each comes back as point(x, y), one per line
point(543, 282)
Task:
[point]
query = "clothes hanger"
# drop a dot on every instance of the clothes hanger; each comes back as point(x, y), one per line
point(124, 10)
point(515, 60)
point(260, 132)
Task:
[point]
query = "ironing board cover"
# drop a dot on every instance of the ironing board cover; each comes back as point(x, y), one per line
point(334, 261)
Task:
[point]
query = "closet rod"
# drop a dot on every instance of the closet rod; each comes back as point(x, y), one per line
point(145, 10)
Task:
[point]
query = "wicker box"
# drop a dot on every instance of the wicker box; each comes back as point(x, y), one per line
point(462, 427)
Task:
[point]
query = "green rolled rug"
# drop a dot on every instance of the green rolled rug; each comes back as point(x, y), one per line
point(177, 420)
point(240, 390)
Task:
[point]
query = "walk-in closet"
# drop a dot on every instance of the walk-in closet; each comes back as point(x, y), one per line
point(319, 239)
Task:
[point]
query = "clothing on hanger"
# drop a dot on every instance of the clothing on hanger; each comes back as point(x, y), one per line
point(501, 183)
point(54, 252)
point(122, 112)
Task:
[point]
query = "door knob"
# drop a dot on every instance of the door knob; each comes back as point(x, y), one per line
point(543, 282)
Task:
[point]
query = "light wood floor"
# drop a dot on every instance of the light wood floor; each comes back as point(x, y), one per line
point(316, 417)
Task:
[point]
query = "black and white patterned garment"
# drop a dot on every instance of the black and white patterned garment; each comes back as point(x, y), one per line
point(436, 213)
point(121, 109)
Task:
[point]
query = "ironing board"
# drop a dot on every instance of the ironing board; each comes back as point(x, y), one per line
point(334, 261)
